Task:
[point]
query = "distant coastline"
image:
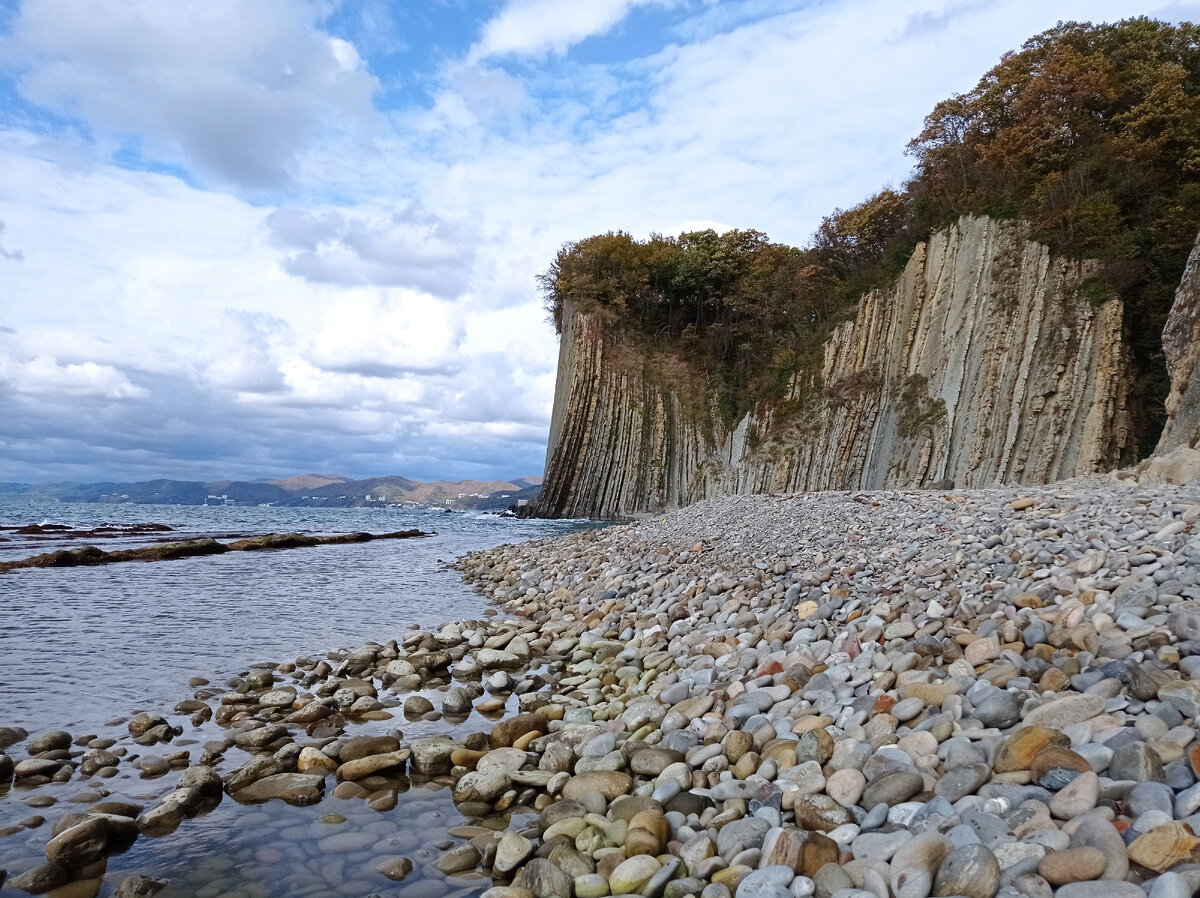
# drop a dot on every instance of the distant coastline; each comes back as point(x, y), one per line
point(323, 491)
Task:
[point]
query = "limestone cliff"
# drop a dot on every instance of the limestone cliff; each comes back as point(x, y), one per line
point(1181, 347)
point(982, 364)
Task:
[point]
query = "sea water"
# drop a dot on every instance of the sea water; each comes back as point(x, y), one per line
point(82, 648)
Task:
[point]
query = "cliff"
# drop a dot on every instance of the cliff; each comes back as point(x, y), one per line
point(983, 363)
point(1181, 348)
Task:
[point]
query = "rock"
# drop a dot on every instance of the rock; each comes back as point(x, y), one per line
point(142, 723)
point(1165, 846)
point(1096, 832)
point(366, 746)
point(1076, 798)
point(1112, 889)
point(294, 788)
point(1065, 710)
point(506, 732)
point(1072, 865)
point(55, 740)
point(459, 859)
point(738, 835)
point(846, 786)
point(41, 879)
point(1000, 709)
point(80, 844)
point(893, 788)
point(482, 785)
point(767, 882)
point(632, 874)
point(432, 756)
point(1136, 761)
point(543, 879)
point(821, 812)
point(372, 764)
point(1054, 766)
point(417, 705)
point(593, 885)
point(456, 701)
point(653, 761)
point(10, 736)
point(1023, 746)
point(313, 760)
point(511, 851)
point(915, 864)
point(609, 784)
point(395, 868)
point(140, 887)
point(491, 659)
point(962, 781)
point(970, 870)
point(278, 698)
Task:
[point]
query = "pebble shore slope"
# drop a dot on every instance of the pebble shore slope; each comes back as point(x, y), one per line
point(844, 695)
point(866, 695)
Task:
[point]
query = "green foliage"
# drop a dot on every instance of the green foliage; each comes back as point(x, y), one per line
point(748, 311)
point(1091, 133)
point(918, 412)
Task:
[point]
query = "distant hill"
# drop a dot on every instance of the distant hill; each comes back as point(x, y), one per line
point(307, 481)
point(329, 490)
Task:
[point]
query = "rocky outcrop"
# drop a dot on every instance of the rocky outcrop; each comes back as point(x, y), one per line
point(1181, 348)
point(982, 364)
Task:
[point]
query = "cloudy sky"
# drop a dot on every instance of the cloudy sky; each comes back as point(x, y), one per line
point(263, 237)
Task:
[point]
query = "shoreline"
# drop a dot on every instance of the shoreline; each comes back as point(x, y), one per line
point(852, 694)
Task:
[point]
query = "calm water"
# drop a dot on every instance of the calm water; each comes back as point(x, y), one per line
point(81, 645)
point(82, 648)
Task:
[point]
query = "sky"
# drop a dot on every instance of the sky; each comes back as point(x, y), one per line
point(255, 238)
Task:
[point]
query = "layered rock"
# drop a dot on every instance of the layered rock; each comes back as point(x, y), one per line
point(981, 364)
point(1181, 348)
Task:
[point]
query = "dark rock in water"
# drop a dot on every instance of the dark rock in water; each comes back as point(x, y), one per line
point(140, 887)
point(89, 555)
point(139, 724)
point(41, 879)
point(56, 740)
point(273, 541)
point(10, 736)
point(80, 844)
point(294, 788)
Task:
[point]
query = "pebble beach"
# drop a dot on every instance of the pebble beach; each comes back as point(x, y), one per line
point(847, 695)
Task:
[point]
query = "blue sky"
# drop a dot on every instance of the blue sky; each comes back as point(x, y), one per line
point(263, 237)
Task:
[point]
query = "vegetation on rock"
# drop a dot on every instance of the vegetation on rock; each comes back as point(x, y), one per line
point(1090, 133)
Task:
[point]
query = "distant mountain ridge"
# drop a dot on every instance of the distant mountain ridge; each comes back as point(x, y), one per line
point(330, 490)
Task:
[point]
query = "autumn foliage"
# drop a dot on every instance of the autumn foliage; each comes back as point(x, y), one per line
point(1090, 133)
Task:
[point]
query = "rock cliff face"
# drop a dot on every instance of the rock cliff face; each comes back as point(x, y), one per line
point(1181, 346)
point(982, 364)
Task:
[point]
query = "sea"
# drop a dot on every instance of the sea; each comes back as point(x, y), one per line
point(83, 648)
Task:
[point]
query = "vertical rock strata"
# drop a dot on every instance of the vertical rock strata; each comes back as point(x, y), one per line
point(981, 364)
point(1181, 347)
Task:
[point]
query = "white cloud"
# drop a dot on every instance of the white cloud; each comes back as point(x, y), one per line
point(401, 332)
point(45, 376)
point(406, 248)
point(237, 87)
point(544, 26)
